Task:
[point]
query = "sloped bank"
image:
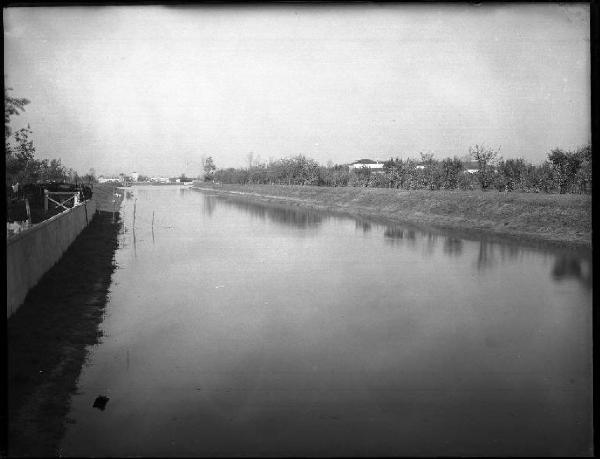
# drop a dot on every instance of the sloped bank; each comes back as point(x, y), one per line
point(538, 219)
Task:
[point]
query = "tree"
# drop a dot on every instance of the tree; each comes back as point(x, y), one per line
point(565, 165)
point(209, 168)
point(12, 106)
point(90, 177)
point(584, 174)
point(451, 171)
point(430, 174)
point(56, 171)
point(20, 157)
point(486, 159)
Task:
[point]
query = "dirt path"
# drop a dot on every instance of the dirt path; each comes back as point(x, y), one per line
point(48, 335)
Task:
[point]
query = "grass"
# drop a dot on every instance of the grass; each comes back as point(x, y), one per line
point(48, 335)
point(103, 195)
point(554, 219)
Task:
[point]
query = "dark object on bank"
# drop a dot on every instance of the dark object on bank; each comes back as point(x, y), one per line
point(100, 402)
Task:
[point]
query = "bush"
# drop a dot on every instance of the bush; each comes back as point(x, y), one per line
point(563, 172)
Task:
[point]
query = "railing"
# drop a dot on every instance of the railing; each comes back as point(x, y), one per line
point(73, 196)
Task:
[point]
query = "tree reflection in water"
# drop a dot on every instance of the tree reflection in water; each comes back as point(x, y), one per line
point(430, 243)
point(210, 202)
point(509, 251)
point(397, 235)
point(570, 267)
point(486, 255)
point(289, 216)
point(363, 225)
point(453, 246)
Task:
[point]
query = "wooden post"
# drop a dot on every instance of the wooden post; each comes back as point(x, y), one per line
point(134, 203)
point(45, 201)
point(113, 201)
point(152, 227)
point(28, 211)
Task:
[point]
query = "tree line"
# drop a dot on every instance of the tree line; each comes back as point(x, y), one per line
point(562, 172)
point(21, 165)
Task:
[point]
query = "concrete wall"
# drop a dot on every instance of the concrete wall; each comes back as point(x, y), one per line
point(31, 253)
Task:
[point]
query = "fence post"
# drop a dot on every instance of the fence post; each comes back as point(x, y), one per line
point(45, 201)
point(28, 211)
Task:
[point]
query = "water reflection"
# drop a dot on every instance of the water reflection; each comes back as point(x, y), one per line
point(453, 246)
point(363, 225)
point(510, 251)
point(210, 202)
point(488, 253)
point(398, 235)
point(485, 260)
point(569, 267)
point(340, 341)
point(289, 216)
point(134, 243)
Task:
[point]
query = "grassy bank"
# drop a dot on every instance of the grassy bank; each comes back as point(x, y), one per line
point(48, 335)
point(108, 196)
point(555, 219)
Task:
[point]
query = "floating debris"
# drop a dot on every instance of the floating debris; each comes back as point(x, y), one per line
point(100, 402)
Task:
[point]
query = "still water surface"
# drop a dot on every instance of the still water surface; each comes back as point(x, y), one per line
point(237, 328)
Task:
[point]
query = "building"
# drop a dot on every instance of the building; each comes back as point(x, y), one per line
point(134, 176)
point(366, 163)
point(103, 179)
point(159, 179)
point(471, 167)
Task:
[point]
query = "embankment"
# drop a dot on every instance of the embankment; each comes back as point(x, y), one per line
point(558, 220)
point(48, 335)
point(31, 253)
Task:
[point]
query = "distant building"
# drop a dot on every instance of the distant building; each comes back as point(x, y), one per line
point(471, 167)
point(102, 179)
point(366, 163)
point(159, 179)
point(134, 176)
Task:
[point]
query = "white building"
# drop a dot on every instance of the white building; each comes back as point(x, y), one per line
point(366, 163)
point(159, 179)
point(134, 176)
point(102, 179)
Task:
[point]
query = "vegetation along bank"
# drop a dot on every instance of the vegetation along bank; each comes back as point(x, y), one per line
point(555, 219)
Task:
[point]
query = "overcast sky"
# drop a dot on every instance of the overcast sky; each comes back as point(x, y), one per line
point(152, 89)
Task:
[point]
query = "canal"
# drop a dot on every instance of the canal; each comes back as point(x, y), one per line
point(240, 328)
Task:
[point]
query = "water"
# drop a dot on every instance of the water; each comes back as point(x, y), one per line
point(236, 328)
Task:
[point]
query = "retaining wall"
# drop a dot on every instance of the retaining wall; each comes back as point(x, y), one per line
point(31, 253)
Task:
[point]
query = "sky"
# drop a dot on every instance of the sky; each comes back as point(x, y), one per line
point(155, 89)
